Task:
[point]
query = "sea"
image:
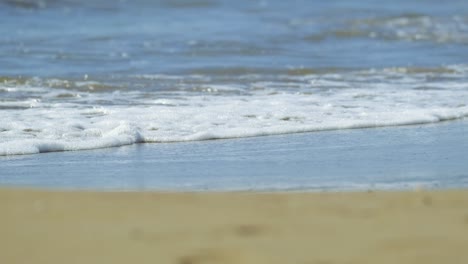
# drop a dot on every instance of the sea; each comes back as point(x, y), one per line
point(93, 74)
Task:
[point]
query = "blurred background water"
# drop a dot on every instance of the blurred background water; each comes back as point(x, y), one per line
point(100, 38)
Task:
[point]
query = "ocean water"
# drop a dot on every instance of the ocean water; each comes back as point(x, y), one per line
point(78, 75)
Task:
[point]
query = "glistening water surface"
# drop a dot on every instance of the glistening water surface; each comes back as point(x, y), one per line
point(393, 158)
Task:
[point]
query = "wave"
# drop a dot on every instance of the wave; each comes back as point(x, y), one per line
point(43, 115)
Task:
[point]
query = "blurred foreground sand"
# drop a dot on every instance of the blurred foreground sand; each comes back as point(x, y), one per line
point(195, 228)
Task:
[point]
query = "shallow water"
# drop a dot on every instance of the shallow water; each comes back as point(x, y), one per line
point(80, 75)
point(393, 158)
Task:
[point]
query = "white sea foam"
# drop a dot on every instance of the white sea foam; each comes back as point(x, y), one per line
point(45, 120)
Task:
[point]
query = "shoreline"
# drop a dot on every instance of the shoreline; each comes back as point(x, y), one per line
point(247, 227)
point(392, 158)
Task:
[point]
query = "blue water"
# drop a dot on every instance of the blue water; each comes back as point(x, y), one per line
point(106, 38)
point(78, 75)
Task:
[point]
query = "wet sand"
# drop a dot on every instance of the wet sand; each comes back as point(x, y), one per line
point(194, 228)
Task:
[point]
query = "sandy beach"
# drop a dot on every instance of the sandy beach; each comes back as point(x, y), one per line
point(194, 228)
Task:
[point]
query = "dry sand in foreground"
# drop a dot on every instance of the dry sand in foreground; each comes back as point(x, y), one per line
point(195, 228)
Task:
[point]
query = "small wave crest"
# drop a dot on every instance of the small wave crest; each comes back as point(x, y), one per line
point(411, 27)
